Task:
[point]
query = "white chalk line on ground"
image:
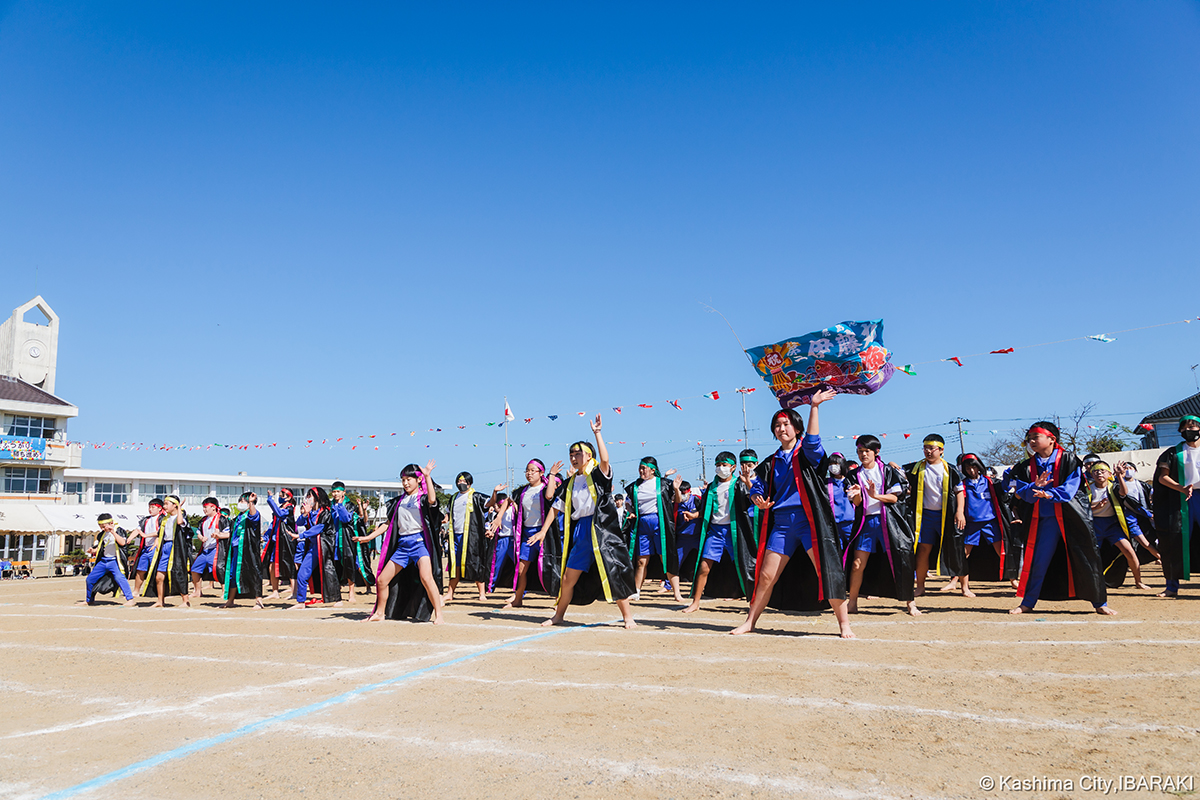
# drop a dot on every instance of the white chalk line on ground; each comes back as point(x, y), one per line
point(255, 692)
point(832, 703)
point(268, 636)
point(841, 664)
point(605, 769)
point(254, 727)
point(63, 648)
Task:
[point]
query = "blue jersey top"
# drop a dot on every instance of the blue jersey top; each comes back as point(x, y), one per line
point(979, 499)
point(782, 464)
point(686, 527)
point(1058, 494)
point(843, 509)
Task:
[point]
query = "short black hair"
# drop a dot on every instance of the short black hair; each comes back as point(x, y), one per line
point(869, 441)
point(748, 453)
point(791, 414)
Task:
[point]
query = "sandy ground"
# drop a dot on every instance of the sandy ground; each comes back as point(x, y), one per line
point(144, 703)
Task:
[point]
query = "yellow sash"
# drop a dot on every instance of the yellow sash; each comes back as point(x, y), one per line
point(587, 474)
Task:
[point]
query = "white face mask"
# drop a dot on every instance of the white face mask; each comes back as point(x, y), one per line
point(835, 470)
point(243, 505)
point(724, 471)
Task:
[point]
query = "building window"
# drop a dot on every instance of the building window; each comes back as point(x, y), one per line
point(111, 493)
point(73, 491)
point(34, 427)
point(193, 494)
point(26, 480)
point(149, 491)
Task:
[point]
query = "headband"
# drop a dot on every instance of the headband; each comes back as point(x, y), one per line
point(749, 460)
point(580, 447)
point(1099, 465)
point(935, 443)
point(174, 499)
point(726, 461)
point(650, 467)
point(1044, 431)
point(1189, 418)
point(537, 461)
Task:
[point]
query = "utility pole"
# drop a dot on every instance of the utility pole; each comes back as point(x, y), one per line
point(507, 472)
point(959, 421)
point(703, 464)
point(745, 428)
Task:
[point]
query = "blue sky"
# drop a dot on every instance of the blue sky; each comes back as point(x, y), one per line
point(279, 223)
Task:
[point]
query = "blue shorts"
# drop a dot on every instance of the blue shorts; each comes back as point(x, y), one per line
point(145, 559)
point(527, 549)
point(1108, 529)
point(871, 538)
point(204, 561)
point(931, 526)
point(164, 559)
point(685, 544)
point(984, 531)
point(717, 544)
point(503, 550)
point(845, 533)
point(1135, 530)
point(582, 556)
point(789, 529)
point(647, 536)
point(409, 550)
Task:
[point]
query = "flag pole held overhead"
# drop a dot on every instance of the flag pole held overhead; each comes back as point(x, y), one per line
point(849, 358)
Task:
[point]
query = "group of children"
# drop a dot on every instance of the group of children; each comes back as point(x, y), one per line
point(1052, 527)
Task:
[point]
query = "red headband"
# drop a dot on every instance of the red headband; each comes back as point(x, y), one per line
point(1042, 430)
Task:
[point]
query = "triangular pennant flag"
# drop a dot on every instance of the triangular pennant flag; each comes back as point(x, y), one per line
point(554, 416)
point(713, 395)
point(581, 413)
point(1005, 350)
point(1100, 337)
point(676, 404)
point(645, 405)
point(954, 359)
point(907, 369)
point(907, 435)
point(617, 409)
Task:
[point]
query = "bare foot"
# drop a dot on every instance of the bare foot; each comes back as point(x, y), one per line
point(1016, 584)
point(158, 605)
point(337, 604)
point(913, 611)
point(695, 606)
point(968, 593)
point(852, 608)
point(1020, 610)
point(272, 596)
point(1105, 611)
point(376, 617)
point(511, 604)
point(228, 605)
point(482, 597)
point(351, 600)
point(949, 587)
point(131, 602)
point(745, 627)
point(259, 606)
point(86, 603)
point(437, 616)
point(846, 633)
point(630, 624)
point(919, 592)
point(1142, 585)
point(1167, 595)
point(552, 621)
point(298, 605)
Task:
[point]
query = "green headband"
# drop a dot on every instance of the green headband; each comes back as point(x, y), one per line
point(1189, 418)
point(649, 466)
point(726, 461)
point(749, 460)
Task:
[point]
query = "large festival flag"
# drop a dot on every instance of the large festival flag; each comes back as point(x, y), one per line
point(849, 358)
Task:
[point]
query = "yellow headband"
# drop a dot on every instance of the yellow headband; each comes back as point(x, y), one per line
point(935, 443)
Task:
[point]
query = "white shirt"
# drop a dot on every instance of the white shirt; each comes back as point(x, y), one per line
point(150, 527)
point(647, 495)
point(582, 504)
point(531, 507)
point(932, 493)
point(168, 529)
point(459, 514)
point(872, 475)
point(108, 541)
point(1100, 493)
point(721, 511)
point(506, 521)
point(408, 515)
point(209, 526)
point(1191, 466)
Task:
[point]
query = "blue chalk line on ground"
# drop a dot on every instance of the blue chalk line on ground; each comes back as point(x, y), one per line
point(245, 730)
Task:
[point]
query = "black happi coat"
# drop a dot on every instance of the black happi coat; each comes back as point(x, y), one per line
point(799, 587)
point(470, 563)
point(407, 598)
point(1179, 548)
point(324, 580)
point(1077, 560)
point(544, 564)
point(243, 562)
point(279, 548)
point(612, 555)
point(948, 552)
point(362, 554)
point(1116, 567)
point(217, 572)
point(729, 578)
point(669, 561)
point(179, 565)
point(343, 552)
point(983, 564)
point(108, 584)
point(889, 574)
point(142, 544)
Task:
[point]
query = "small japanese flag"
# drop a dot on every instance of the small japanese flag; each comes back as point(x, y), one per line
point(508, 415)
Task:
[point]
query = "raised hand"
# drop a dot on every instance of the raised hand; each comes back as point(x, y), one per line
point(678, 480)
point(499, 486)
point(557, 466)
point(822, 395)
point(669, 473)
point(871, 490)
point(596, 424)
point(761, 502)
point(429, 465)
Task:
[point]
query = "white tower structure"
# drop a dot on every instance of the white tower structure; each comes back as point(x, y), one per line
point(29, 350)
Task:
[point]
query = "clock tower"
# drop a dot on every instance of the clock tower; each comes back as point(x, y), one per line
point(28, 348)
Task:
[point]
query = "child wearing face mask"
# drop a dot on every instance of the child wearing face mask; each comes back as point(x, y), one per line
point(726, 544)
point(834, 473)
point(1177, 506)
point(243, 557)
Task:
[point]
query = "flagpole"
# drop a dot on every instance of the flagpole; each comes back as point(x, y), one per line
point(507, 475)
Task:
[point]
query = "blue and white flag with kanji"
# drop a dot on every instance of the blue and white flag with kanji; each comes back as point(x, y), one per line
point(848, 357)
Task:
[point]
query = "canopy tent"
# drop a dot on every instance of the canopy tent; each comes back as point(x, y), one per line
point(82, 518)
point(22, 518)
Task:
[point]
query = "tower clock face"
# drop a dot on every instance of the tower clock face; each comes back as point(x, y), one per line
point(34, 366)
point(35, 351)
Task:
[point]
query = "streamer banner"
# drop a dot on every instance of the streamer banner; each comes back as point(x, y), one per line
point(849, 358)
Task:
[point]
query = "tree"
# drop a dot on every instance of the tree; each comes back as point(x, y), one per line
point(1075, 436)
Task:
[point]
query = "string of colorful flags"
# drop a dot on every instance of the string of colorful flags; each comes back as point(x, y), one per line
point(848, 357)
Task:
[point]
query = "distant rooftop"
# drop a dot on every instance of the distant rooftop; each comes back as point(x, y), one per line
point(1185, 407)
point(17, 390)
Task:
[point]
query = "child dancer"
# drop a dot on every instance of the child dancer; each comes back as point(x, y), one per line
point(596, 560)
point(108, 574)
point(500, 531)
point(147, 544)
point(834, 471)
point(317, 566)
point(211, 528)
point(541, 559)
point(1061, 560)
point(279, 550)
point(935, 495)
point(172, 554)
point(795, 513)
point(243, 566)
point(727, 553)
point(650, 525)
point(984, 520)
point(409, 577)
point(468, 544)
